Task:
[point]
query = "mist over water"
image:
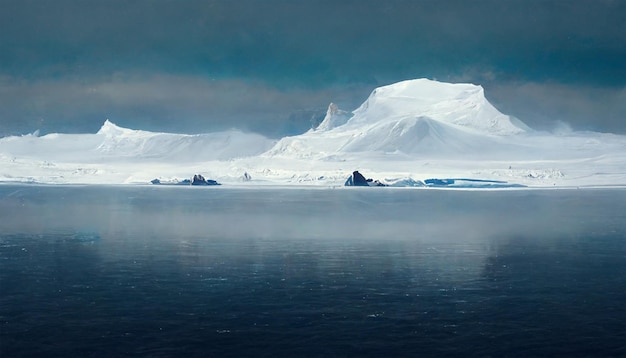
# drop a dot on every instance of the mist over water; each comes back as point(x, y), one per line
point(171, 271)
point(296, 213)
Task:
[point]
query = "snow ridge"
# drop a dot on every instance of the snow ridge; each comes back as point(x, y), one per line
point(112, 143)
point(123, 142)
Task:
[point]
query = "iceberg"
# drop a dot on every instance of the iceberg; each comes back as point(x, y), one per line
point(469, 183)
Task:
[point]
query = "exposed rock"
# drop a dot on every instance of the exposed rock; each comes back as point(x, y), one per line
point(357, 179)
point(197, 180)
point(200, 180)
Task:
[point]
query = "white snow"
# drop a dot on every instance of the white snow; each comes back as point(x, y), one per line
point(334, 117)
point(403, 133)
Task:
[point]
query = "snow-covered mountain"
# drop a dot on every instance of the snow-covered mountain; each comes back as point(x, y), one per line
point(418, 117)
point(408, 131)
point(114, 143)
point(122, 142)
point(459, 104)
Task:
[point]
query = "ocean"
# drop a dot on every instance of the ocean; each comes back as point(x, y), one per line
point(129, 271)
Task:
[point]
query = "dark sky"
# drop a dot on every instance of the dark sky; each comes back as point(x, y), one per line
point(272, 66)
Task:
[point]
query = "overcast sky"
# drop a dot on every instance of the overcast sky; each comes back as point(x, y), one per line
point(272, 66)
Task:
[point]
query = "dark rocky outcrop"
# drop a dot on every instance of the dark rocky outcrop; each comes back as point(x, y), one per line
point(357, 179)
point(196, 180)
point(200, 180)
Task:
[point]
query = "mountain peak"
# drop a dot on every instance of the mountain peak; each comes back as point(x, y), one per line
point(111, 129)
point(459, 104)
point(417, 117)
point(335, 117)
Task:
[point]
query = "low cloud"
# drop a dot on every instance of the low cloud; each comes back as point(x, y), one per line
point(161, 102)
point(69, 65)
point(554, 106)
point(194, 104)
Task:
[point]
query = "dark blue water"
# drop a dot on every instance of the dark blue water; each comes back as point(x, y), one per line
point(201, 272)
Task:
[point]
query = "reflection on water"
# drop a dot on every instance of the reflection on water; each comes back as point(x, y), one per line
point(142, 271)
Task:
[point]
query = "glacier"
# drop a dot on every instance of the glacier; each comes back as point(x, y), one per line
point(405, 132)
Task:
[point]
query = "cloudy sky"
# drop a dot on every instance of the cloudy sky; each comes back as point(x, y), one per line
point(273, 66)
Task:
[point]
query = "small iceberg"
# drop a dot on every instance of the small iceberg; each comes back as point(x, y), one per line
point(469, 183)
point(357, 179)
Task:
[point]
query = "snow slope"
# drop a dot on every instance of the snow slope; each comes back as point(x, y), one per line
point(121, 142)
point(458, 104)
point(405, 132)
point(417, 117)
point(112, 142)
